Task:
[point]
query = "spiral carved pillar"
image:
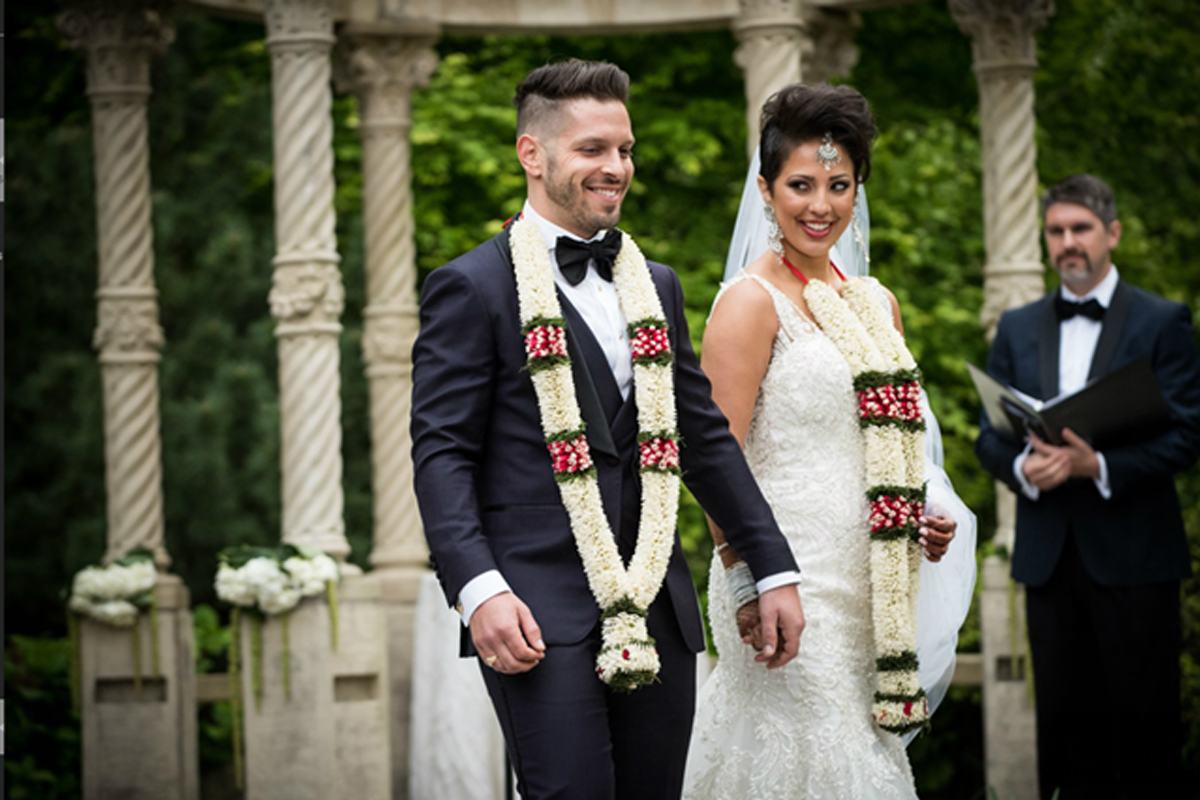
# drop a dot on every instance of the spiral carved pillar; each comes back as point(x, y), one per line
point(769, 32)
point(138, 730)
point(1005, 57)
point(119, 45)
point(382, 69)
point(306, 295)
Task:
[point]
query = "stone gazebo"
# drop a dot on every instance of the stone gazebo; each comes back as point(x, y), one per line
point(350, 735)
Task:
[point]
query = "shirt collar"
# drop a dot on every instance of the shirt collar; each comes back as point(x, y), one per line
point(1102, 293)
point(550, 231)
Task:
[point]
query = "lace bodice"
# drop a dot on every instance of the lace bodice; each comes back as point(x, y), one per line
point(803, 731)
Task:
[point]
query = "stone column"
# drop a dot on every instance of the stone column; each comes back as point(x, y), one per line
point(139, 729)
point(306, 296)
point(1005, 56)
point(330, 738)
point(382, 68)
point(827, 48)
point(784, 41)
point(769, 32)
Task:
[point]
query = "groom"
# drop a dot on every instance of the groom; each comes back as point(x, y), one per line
point(500, 534)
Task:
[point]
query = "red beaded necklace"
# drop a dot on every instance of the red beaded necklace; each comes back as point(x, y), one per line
point(800, 274)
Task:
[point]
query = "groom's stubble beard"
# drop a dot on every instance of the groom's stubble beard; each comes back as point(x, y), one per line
point(570, 196)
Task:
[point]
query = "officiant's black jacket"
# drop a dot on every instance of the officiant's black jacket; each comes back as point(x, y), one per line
point(483, 476)
point(1137, 536)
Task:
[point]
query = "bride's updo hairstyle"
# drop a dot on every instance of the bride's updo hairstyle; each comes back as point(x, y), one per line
point(805, 113)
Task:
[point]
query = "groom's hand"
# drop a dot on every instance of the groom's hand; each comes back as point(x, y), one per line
point(782, 621)
point(505, 634)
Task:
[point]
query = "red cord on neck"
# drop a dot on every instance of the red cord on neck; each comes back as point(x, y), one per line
point(800, 274)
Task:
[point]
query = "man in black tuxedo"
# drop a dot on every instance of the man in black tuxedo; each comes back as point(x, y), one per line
point(500, 534)
point(1100, 542)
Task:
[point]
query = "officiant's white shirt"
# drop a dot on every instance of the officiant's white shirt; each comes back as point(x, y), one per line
point(1077, 339)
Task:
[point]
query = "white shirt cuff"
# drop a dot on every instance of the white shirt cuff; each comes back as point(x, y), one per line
point(770, 582)
point(1027, 488)
point(481, 588)
point(1101, 480)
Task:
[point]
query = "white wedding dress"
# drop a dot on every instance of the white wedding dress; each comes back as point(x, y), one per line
point(804, 730)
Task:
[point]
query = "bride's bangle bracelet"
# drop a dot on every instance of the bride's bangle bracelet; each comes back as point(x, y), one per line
point(741, 584)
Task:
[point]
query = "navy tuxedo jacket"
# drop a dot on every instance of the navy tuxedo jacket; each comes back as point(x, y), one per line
point(483, 475)
point(1137, 535)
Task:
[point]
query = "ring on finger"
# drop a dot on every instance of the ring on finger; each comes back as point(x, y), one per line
point(490, 661)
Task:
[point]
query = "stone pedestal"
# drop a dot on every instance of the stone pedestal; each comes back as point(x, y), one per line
point(1008, 716)
point(140, 743)
point(330, 740)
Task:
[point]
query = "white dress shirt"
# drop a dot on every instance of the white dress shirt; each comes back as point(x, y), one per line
point(596, 301)
point(1077, 339)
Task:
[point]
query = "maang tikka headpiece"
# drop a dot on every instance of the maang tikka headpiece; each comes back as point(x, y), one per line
point(828, 155)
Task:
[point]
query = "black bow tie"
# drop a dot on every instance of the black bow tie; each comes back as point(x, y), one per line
point(573, 256)
point(1067, 309)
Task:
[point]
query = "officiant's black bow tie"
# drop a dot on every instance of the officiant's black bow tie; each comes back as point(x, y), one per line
point(1067, 309)
point(573, 256)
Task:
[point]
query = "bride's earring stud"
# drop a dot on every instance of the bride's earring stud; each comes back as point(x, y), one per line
point(828, 155)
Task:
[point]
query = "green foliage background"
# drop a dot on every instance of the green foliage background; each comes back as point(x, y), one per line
point(1115, 96)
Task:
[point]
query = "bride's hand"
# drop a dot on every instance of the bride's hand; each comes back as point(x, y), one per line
point(936, 534)
point(750, 624)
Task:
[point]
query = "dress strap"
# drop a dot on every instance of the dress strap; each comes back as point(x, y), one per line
point(792, 321)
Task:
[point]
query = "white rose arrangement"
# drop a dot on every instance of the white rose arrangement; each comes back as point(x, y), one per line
point(264, 582)
point(115, 594)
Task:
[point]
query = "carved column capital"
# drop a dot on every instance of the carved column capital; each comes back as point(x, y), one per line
point(770, 33)
point(298, 24)
point(382, 69)
point(1002, 31)
point(119, 40)
point(827, 44)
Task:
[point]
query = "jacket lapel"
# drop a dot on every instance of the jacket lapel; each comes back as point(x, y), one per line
point(1048, 350)
point(1110, 332)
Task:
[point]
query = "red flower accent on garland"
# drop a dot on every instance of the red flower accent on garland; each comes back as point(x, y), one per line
point(649, 342)
point(894, 512)
point(658, 453)
point(570, 457)
point(625, 654)
point(546, 341)
point(908, 709)
point(890, 401)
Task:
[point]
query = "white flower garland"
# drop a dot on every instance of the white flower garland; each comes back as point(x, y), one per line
point(886, 379)
point(627, 658)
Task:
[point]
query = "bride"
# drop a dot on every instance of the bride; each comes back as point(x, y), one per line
point(810, 366)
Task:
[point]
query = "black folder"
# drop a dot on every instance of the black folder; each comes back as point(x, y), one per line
point(1123, 406)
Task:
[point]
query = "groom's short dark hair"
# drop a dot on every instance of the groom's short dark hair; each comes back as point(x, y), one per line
point(547, 86)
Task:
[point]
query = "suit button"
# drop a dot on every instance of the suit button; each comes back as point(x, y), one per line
point(612, 460)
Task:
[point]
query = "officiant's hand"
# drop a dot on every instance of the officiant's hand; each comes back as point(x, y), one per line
point(781, 621)
point(936, 532)
point(1049, 466)
point(505, 634)
point(1046, 467)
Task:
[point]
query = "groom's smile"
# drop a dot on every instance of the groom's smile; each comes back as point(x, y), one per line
point(588, 167)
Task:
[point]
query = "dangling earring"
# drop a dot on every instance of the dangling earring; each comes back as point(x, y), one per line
point(858, 236)
point(774, 232)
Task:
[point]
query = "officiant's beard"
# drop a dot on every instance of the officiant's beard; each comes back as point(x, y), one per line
point(587, 216)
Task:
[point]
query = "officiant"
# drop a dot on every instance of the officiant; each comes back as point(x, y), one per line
point(1100, 542)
